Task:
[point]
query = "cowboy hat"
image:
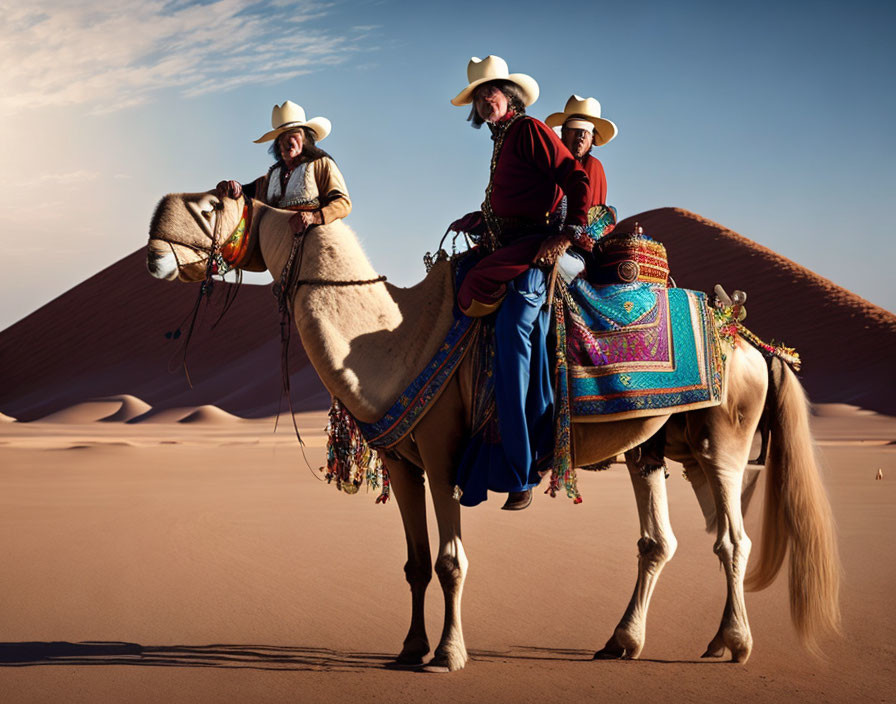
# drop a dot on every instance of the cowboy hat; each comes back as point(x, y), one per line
point(494, 68)
point(588, 110)
point(289, 116)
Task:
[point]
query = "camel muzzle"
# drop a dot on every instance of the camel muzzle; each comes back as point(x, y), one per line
point(160, 263)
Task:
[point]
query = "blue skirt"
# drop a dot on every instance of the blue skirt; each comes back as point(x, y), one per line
point(523, 399)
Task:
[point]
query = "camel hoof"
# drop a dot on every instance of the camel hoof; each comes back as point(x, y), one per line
point(741, 655)
point(716, 647)
point(404, 665)
point(713, 653)
point(608, 653)
point(621, 646)
point(412, 653)
point(442, 661)
point(408, 661)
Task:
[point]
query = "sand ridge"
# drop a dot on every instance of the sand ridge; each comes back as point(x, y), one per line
point(131, 407)
point(210, 414)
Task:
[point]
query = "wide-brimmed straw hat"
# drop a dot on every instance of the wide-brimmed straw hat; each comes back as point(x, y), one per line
point(588, 110)
point(289, 116)
point(494, 68)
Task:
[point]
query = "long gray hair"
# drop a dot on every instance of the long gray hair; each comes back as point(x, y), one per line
point(510, 90)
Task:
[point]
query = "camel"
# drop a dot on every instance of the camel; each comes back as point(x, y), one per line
point(367, 342)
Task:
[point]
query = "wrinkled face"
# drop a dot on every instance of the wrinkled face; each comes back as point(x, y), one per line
point(490, 102)
point(182, 231)
point(290, 145)
point(578, 141)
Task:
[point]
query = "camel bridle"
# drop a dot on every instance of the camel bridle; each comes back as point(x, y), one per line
point(284, 290)
point(215, 265)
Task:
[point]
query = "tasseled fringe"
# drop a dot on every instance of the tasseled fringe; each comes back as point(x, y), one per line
point(563, 473)
point(350, 460)
point(728, 320)
point(788, 355)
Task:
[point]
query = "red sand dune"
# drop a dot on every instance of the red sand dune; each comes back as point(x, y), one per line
point(106, 336)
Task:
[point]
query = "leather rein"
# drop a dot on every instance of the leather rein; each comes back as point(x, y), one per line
point(285, 290)
point(216, 264)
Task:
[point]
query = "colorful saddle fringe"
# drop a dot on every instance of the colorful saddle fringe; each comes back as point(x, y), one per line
point(351, 461)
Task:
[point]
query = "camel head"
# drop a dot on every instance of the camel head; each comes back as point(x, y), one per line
point(184, 230)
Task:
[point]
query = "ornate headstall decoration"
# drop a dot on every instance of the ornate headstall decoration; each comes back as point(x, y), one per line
point(234, 251)
point(223, 256)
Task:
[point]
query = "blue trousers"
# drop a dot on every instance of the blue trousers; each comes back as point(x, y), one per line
point(523, 398)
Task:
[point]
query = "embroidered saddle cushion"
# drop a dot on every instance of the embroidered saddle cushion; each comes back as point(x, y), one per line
point(638, 349)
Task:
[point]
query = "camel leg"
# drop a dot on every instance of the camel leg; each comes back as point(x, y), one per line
point(410, 492)
point(655, 548)
point(723, 465)
point(451, 568)
point(439, 438)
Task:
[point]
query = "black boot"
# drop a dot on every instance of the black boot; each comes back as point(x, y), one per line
point(518, 500)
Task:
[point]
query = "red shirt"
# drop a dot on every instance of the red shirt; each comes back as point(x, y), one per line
point(534, 171)
point(597, 181)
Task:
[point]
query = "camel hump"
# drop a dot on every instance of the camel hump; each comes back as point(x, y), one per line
point(396, 357)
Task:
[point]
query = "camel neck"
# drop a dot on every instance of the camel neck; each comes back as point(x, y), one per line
point(337, 324)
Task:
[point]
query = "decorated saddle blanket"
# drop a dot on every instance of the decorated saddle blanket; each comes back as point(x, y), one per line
point(410, 406)
point(638, 349)
point(628, 350)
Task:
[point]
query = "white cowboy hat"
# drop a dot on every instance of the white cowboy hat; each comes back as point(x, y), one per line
point(494, 68)
point(289, 116)
point(588, 110)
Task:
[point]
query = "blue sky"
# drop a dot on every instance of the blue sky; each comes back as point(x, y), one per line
point(772, 119)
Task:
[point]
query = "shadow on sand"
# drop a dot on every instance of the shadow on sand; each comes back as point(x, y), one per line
point(258, 657)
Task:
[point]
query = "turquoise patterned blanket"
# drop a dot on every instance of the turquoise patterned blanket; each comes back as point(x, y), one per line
point(639, 350)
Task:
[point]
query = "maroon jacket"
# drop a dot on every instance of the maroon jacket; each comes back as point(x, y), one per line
point(597, 181)
point(534, 171)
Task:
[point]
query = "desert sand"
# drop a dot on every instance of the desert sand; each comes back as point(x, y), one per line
point(205, 562)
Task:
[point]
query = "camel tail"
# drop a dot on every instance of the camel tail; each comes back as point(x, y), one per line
point(797, 516)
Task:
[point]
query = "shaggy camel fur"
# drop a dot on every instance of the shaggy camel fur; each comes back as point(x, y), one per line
point(368, 342)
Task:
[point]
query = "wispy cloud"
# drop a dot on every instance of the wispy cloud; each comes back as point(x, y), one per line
point(119, 54)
